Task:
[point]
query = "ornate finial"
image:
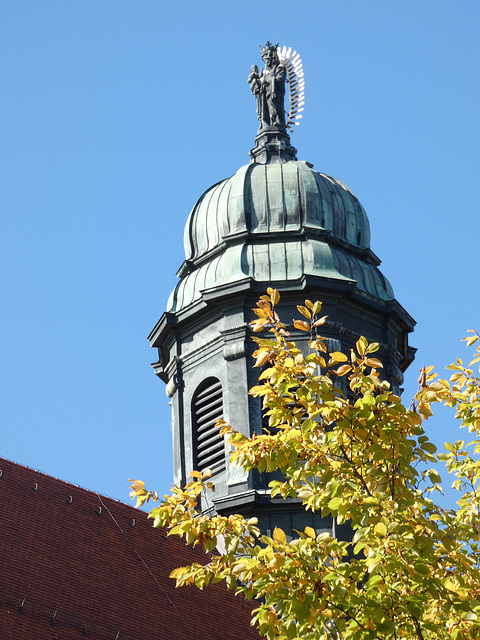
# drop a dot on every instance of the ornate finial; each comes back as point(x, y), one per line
point(268, 87)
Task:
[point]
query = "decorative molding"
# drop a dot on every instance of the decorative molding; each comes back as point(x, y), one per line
point(234, 350)
point(175, 380)
point(234, 342)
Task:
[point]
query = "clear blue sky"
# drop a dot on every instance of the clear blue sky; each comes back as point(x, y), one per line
point(117, 115)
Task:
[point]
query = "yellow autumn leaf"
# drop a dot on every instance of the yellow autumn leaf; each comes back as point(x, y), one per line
point(471, 340)
point(261, 359)
point(374, 362)
point(137, 485)
point(373, 346)
point(258, 325)
point(361, 345)
point(279, 535)
point(274, 295)
point(320, 321)
point(450, 585)
point(320, 345)
point(310, 532)
point(239, 568)
point(338, 356)
point(178, 572)
point(345, 368)
point(302, 325)
point(425, 410)
point(304, 311)
point(381, 529)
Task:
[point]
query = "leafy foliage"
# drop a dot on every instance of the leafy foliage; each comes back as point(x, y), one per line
point(411, 569)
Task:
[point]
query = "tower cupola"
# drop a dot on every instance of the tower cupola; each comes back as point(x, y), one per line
point(277, 222)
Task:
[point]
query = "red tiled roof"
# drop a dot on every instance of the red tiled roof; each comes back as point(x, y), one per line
point(74, 564)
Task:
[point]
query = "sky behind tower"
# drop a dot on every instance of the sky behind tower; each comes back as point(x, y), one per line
point(116, 116)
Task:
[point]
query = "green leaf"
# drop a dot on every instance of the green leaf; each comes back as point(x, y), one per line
point(423, 569)
point(301, 611)
point(434, 476)
point(335, 503)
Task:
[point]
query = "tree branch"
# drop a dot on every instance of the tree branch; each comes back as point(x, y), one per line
point(418, 630)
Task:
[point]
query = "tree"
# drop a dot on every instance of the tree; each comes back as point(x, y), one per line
point(412, 568)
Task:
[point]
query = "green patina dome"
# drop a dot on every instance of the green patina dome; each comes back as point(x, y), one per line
point(276, 223)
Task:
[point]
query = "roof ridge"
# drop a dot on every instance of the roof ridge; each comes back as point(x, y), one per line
point(64, 482)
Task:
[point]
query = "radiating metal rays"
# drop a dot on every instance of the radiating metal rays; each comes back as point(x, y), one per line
point(296, 83)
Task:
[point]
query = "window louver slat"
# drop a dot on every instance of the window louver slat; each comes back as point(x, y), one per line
point(209, 432)
point(213, 411)
point(207, 425)
point(215, 464)
point(209, 391)
point(211, 451)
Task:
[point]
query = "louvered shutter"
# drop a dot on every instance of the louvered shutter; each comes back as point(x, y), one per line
point(207, 408)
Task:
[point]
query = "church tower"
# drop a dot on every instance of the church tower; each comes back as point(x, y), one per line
point(277, 222)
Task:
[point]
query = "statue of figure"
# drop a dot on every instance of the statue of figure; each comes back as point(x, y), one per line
point(268, 87)
point(254, 82)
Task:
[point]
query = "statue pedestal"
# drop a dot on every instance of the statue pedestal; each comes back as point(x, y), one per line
point(272, 146)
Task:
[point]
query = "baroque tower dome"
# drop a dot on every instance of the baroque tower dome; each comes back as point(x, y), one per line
point(278, 223)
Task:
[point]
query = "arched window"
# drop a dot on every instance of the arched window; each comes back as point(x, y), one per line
point(207, 407)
